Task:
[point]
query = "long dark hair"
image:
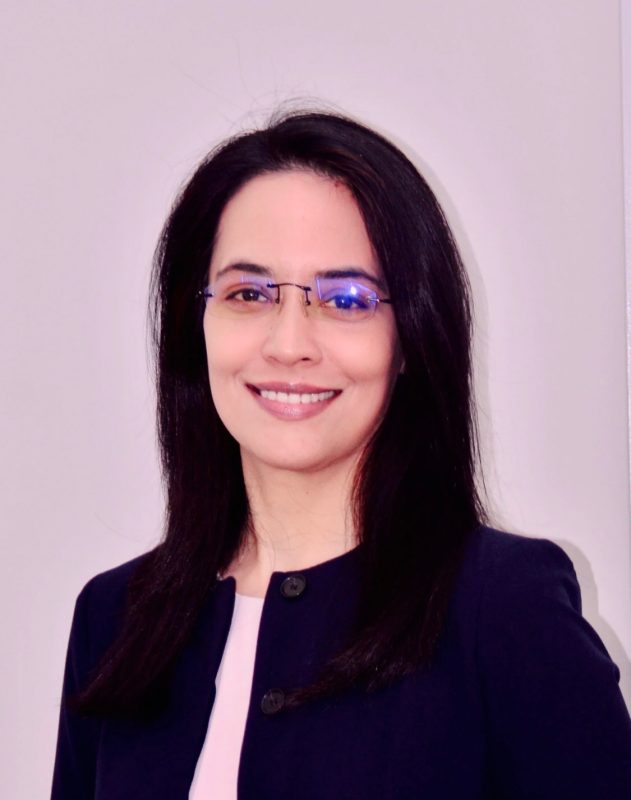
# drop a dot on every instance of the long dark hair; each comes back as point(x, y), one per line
point(414, 496)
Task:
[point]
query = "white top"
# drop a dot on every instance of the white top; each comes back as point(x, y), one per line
point(218, 764)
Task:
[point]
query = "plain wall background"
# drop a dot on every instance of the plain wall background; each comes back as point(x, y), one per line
point(513, 111)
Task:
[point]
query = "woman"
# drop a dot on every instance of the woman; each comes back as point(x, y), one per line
point(328, 616)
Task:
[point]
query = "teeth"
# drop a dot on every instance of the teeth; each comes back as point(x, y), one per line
point(283, 397)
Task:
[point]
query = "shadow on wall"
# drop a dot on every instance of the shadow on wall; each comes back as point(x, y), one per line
point(589, 594)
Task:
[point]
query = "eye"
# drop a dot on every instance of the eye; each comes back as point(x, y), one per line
point(347, 301)
point(248, 294)
point(345, 297)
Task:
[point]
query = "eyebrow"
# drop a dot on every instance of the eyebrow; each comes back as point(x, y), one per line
point(340, 272)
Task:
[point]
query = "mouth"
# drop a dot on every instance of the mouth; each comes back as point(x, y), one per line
point(293, 402)
point(298, 394)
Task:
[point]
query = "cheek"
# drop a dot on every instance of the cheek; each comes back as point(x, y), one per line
point(226, 354)
point(373, 359)
point(226, 350)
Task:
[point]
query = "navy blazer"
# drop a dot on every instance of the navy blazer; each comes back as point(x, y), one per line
point(522, 700)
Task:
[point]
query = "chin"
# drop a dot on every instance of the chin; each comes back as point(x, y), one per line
point(296, 462)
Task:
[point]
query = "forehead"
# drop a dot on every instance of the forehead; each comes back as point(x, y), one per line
point(293, 220)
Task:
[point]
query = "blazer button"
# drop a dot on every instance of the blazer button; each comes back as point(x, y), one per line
point(272, 701)
point(293, 586)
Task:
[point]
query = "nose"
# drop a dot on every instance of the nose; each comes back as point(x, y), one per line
point(291, 336)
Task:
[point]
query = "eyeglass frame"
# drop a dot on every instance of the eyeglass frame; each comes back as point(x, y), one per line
point(207, 294)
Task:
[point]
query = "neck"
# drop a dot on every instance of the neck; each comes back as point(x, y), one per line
point(298, 520)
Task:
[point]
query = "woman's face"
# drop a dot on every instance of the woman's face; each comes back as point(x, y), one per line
point(295, 223)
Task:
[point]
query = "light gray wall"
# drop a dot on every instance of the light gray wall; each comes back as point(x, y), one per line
point(514, 111)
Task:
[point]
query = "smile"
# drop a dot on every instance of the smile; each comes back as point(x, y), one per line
point(293, 405)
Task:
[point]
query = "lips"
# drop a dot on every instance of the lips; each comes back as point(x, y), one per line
point(292, 402)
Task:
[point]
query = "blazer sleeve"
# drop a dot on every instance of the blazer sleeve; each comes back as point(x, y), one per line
point(558, 724)
point(77, 738)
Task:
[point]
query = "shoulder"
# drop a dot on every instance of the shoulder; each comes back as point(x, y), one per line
point(101, 604)
point(116, 579)
point(545, 678)
point(499, 565)
point(109, 588)
point(527, 606)
point(508, 578)
point(490, 548)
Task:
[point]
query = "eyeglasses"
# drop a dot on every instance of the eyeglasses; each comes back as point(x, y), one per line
point(243, 295)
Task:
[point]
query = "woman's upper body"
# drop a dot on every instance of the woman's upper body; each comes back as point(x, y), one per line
point(522, 700)
point(313, 328)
